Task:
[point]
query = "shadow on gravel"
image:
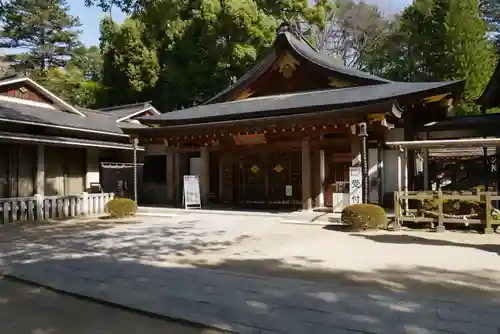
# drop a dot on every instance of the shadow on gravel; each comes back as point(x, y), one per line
point(411, 239)
point(28, 308)
point(418, 298)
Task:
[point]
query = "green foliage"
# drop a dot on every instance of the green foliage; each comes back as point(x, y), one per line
point(361, 217)
point(71, 85)
point(439, 40)
point(181, 53)
point(121, 207)
point(131, 68)
point(89, 61)
point(43, 27)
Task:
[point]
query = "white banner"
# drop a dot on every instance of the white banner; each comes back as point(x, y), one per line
point(355, 185)
point(192, 196)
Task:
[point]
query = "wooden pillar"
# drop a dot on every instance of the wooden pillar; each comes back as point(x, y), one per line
point(205, 174)
point(40, 170)
point(355, 151)
point(170, 177)
point(306, 175)
point(178, 179)
point(425, 165)
point(220, 164)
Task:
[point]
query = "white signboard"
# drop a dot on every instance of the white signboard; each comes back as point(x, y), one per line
point(288, 190)
point(192, 198)
point(355, 182)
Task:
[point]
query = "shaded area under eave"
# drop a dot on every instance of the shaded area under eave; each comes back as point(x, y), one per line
point(63, 141)
point(289, 41)
point(472, 122)
point(491, 94)
point(344, 101)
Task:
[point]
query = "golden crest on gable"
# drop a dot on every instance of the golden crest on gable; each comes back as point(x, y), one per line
point(287, 65)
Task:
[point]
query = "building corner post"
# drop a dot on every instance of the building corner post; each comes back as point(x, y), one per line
point(363, 135)
point(135, 143)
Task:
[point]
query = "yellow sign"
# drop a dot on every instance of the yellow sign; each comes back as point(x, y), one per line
point(255, 169)
point(278, 168)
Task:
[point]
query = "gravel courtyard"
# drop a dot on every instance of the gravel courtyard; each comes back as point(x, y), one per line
point(30, 309)
point(252, 274)
point(261, 245)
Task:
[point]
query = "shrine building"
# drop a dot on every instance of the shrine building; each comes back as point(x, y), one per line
point(285, 134)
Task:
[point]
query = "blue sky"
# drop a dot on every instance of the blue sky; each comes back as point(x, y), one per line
point(90, 17)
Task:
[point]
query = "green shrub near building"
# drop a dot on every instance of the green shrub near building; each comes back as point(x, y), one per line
point(362, 217)
point(121, 207)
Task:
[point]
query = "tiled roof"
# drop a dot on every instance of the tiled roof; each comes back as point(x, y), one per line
point(48, 116)
point(303, 102)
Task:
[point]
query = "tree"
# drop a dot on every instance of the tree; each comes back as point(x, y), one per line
point(89, 61)
point(439, 40)
point(131, 69)
point(491, 12)
point(42, 27)
point(351, 31)
point(200, 46)
point(70, 85)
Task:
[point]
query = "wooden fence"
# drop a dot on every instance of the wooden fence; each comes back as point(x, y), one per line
point(38, 207)
point(404, 213)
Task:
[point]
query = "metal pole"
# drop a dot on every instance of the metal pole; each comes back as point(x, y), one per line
point(364, 161)
point(135, 143)
point(406, 180)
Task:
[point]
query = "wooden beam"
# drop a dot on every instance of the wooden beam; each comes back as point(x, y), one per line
point(170, 176)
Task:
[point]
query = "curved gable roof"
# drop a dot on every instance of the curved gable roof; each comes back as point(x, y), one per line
point(288, 40)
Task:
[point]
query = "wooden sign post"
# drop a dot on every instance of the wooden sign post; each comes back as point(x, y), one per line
point(355, 183)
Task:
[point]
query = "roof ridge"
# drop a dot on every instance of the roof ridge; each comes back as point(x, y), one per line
point(145, 103)
point(95, 111)
point(292, 29)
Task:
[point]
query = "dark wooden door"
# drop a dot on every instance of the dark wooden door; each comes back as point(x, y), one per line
point(251, 180)
point(261, 179)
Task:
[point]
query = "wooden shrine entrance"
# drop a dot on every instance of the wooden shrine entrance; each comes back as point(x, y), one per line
point(265, 179)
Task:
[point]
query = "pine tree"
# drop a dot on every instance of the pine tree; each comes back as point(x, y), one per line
point(440, 40)
point(42, 30)
point(469, 53)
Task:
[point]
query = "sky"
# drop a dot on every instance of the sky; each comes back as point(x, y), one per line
point(90, 17)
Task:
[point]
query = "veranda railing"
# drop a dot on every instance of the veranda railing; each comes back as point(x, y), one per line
point(38, 207)
point(403, 212)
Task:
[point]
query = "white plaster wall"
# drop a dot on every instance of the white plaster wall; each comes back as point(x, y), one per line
point(373, 174)
point(92, 172)
point(390, 161)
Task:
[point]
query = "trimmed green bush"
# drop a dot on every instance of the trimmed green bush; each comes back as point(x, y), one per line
point(362, 217)
point(121, 207)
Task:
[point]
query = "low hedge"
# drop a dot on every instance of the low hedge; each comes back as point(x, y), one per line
point(121, 207)
point(362, 217)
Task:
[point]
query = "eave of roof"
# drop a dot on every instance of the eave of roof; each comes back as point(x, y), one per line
point(288, 41)
point(64, 141)
point(303, 102)
point(18, 112)
point(48, 94)
point(345, 113)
